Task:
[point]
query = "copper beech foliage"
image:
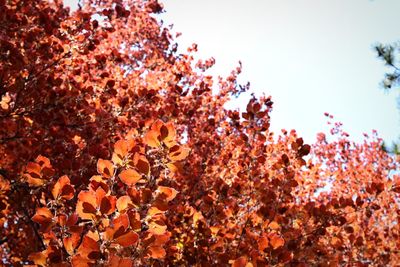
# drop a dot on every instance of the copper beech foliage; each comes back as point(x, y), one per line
point(114, 151)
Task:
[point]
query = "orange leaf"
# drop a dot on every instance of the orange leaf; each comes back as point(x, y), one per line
point(80, 261)
point(156, 252)
point(33, 174)
point(63, 189)
point(44, 217)
point(174, 166)
point(100, 194)
point(121, 220)
point(160, 133)
point(263, 243)
point(120, 224)
point(128, 239)
point(89, 248)
point(151, 139)
point(121, 149)
point(124, 203)
point(129, 177)
point(156, 126)
point(4, 184)
point(45, 165)
point(197, 216)
point(35, 182)
point(43, 162)
point(167, 192)
point(34, 169)
point(177, 153)
point(274, 225)
point(161, 239)
point(43, 212)
point(153, 211)
point(215, 230)
point(276, 241)
point(105, 168)
point(39, 258)
point(71, 242)
point(87, 196)
point(97, 181)
point(86, 206)
point(157, 228)
point(116, 261)
point(169, 137)
point(134, 220)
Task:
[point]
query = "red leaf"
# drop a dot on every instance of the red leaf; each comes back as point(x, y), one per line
point(107, 205)
point(88, 208)
point(142, 164)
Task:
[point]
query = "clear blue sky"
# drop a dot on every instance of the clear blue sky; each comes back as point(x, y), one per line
point(311, 56)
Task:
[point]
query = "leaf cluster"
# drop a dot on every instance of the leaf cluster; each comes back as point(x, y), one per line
point(114, 151)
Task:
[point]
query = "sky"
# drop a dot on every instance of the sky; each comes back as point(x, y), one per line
point(311, 56)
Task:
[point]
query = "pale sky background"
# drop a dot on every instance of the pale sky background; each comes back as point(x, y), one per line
point(311, 56)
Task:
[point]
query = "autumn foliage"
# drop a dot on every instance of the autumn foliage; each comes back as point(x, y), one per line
point(116, 151)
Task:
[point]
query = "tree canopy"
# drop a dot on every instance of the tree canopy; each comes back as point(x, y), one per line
point(115, 151)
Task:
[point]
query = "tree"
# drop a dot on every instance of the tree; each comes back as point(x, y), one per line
point(389, 55)
point(115, 152)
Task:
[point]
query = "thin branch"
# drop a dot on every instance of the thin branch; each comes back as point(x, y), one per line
point(35, 230)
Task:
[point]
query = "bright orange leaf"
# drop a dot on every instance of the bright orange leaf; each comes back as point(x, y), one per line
point(124, 203)
point(177, 153)
point(156, 252)
point(105, 168)
point(157, 227)
point(129, 177)
point(167, 192)
point(63, 189)
point(44, 217)
point(276, 241)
